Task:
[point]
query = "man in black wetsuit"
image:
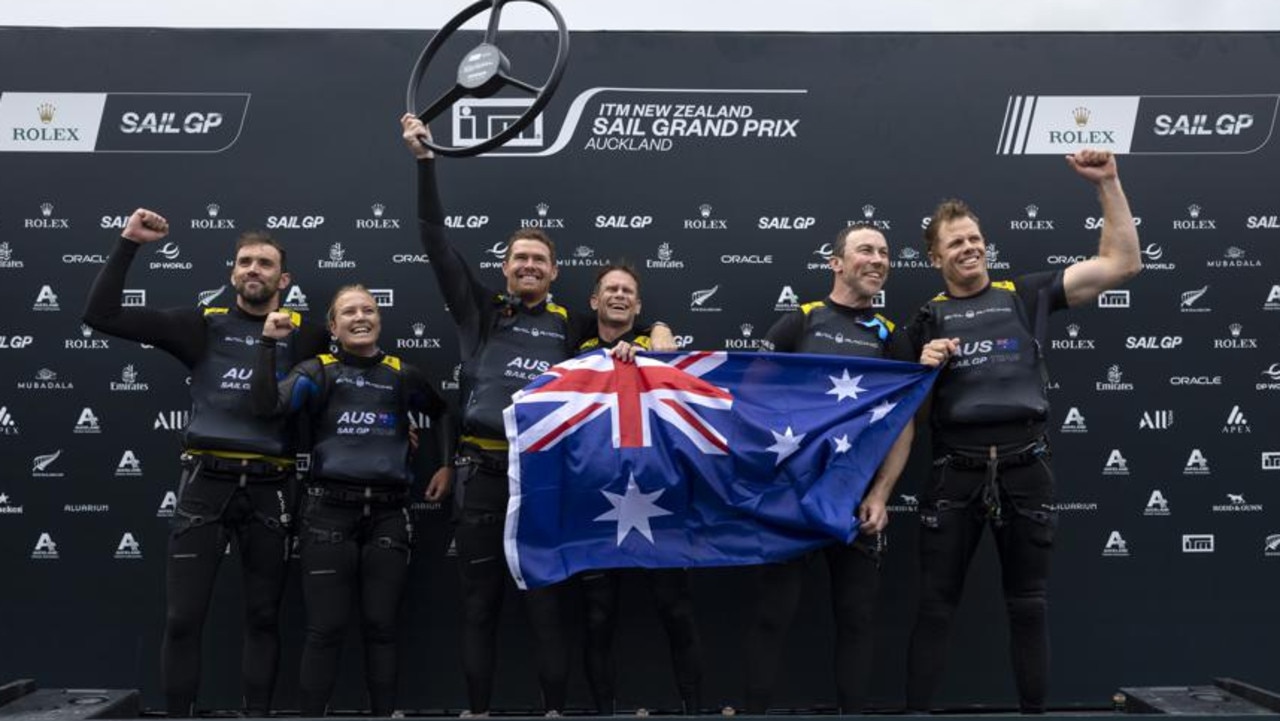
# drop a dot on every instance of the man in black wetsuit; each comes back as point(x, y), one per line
point(989, 413)
point(616, 301)
point(236, 466)
point(842, 324)
point(506, 340)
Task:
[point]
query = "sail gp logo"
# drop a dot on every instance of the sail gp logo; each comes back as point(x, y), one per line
point(616, 120)
point(595, 385)
point(1137, 124)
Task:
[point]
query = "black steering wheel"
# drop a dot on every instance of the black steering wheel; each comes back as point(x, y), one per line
point(484, 71)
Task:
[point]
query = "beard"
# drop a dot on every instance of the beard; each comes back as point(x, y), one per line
point(255, 296)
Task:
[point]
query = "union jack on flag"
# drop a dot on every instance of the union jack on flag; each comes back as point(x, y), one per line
point(697, 459)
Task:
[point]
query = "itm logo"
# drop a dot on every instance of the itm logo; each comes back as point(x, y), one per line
point(1116, 546)
point(1194, 221)
point(295, 299)
point(1116, 464)
point(87, 422)
point(133, 298)
point(171, 420)
point(1155, 420)
point(787, 300)
point(1157, 505)
point(877, 300)
point(704, 221)
point(698, 300)
point(128, 548)
point(1190, 298)
point(1236, 422)
point(129, 465)
point(383, 297)
point(475, 120)
point(1197, 464)
point(168, 504)
point(1197, 543)
point(8, 426)
point(46, 548)
point(1074, 422)
point(46, 299)
point(1113, 299)
point(6, 257)
point(40, 465)
point(1271, 460)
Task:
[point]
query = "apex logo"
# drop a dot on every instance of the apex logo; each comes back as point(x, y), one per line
point(8, 426)
point(1236, 422)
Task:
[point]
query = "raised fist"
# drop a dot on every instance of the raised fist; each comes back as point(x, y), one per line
point(145, 226)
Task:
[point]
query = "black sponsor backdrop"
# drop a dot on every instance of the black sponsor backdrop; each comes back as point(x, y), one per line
point(890, 121)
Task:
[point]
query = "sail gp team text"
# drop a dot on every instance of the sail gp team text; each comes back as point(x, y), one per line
point(654, 126)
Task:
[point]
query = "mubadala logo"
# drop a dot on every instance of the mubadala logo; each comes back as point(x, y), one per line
point(1073, 341)
point(1187, 304)
point(1273, 374)
point(1113, 299)
point(295, 222)
point(295, 299)
point(1157, 505)
point(46, 221)
point(746, 342)
point(704, 221)
point(41, 465)
point(129, 466)
point(1155, 420)
point(1197, 543)
point(1074, 422)
point(129, 381)
point(337, 255)
point(466, 222)
point(168, 504)
point(1096, 222)
point(1152, 256)
point(7, 508)
point(87, 422)
point(664, 261)
point(378, 221)
point(419, 339)
point(624, 222)
point(698, 300)
point(782, 222)
point(543, 218)
point(171, 420)
point(46, 380)
point(909, 258)
point(583, 256)
point(8, 426)
point(1237, 504)
point(1233, 257)
point(787, 300)
point(736, 259)
point(169, 252)
point(128, 549)
point(824, 252)
point(1262, 222)
point(1193, 220)
point(1197, 464)
point(1115, 546)
point(213, 219)
point(46, 300)
point(46, 548)
point(1033, 221)
point(1114, 380)
point(6, 257)
point(1236, 422)
point(1235, 341)
point(1152, 342)
point(498, 251)
point(1116, 464)
point(869, 218)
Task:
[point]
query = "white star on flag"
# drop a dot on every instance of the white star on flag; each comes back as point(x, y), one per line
point(784, 444)
point(842, 443)
point(882, 410)
point(633, 509)
point(845, 387)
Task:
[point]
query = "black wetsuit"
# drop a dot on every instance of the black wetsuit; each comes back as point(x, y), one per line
point(504, 345)
point(991, 466)
point(234, 482)
point(828, 328)
point(356, 537)
point(671, 594)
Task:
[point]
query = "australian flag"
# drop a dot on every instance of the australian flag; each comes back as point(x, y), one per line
point(696, 459)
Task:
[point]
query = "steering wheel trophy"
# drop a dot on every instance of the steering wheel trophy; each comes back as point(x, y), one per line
point(483, 72)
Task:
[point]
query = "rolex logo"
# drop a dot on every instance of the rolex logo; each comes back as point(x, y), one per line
point(1193, 210)
point(868, 211)
point(747, 328)
point(704, 210)
point(1235, 329)
point(46, 209)
point(213, 209)
point(1032, 211)
point(378, 209)
point(1081, 116)
point(542, 209)
point(1073, 330)
point(418, 329)
point(85, 330)
point(46, 111)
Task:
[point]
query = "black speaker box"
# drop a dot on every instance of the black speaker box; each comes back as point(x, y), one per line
point(70, 703)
